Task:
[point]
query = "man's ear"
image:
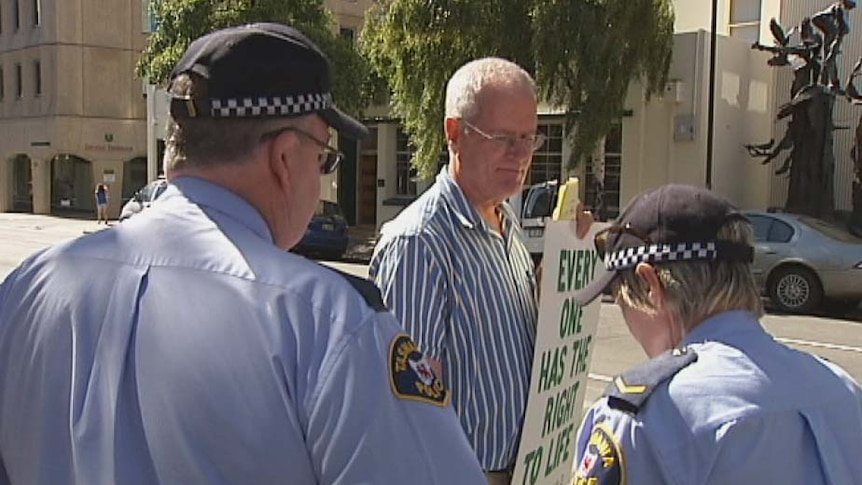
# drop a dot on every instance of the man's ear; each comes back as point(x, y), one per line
point(453, 130)
point(281, 154)
point(655, 290)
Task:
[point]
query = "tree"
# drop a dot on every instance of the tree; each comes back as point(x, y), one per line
point(182, 21)
point(584, 54)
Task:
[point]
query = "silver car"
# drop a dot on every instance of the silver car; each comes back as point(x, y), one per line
point(143, 198)
point(802, 263)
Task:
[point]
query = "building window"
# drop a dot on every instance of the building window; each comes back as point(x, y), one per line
point(148, 18)
point(609, 205)
point(548, 159)
point(405, 174)
point(19, 82)
point(348, 34)
point(37, 12)
point(37, 77)
point(16, 14)
point(745, 20)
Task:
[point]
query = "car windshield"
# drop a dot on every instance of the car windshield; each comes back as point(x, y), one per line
point(830, 230)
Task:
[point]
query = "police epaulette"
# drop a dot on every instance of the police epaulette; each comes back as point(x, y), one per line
point(370, 293)
point(630, 390)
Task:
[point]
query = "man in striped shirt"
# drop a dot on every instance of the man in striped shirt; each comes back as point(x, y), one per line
point(454, 269)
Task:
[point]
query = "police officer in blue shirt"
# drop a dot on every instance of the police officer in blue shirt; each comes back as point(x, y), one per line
point(720, 401)
point(188, 346)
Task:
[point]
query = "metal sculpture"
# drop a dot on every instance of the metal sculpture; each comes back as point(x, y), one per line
point(809, 136)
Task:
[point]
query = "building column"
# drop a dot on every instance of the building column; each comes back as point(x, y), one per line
point(5, 184)
point(41, 186)
point(152, 138)
point(387, 140)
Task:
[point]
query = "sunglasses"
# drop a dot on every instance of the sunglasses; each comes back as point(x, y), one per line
point(600, 241)
point(329, 159)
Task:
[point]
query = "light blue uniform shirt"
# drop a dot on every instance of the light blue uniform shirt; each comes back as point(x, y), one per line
point(468, 296)
point(748, 410)
point(184, 347)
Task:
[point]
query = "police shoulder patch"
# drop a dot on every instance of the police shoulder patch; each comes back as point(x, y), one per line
point(411, 374)
point(629, 391)
point(603, 462)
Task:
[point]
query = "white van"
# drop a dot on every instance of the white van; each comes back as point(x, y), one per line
point(535, 205)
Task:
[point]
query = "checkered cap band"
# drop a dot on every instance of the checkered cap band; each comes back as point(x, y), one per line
point(274, 106)
point(661, 253)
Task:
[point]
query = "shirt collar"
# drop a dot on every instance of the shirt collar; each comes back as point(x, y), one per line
point(217, 198)
point(463, 210)
point(724, 325)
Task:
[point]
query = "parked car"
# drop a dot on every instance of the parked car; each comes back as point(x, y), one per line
point(803, 263)
point(326, 234)
point(143, 198)
point(535, 206)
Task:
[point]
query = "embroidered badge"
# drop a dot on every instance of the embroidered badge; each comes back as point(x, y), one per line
point(603, 460)
point(411, 374)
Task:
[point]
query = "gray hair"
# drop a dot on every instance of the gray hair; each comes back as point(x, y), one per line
point(696, 290)
point(469, 80)
point(207, 142)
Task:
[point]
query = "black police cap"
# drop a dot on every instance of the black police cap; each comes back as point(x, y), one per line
point(260, 70)
point(671, 223)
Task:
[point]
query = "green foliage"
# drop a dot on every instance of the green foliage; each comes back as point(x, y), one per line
point(182, 21)
point(583, 54)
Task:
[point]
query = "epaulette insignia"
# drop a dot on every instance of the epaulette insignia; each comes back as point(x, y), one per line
point(629, 391)
point(370, 293)
point(411, 374)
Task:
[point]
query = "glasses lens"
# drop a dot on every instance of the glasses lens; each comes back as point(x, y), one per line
point(330, 161)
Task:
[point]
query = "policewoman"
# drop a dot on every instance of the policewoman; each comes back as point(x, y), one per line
point(188, 346)
point(719, 401)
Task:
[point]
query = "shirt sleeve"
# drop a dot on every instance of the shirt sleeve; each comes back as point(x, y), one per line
point(375, 416)
point(613, 450)
point(414, 283)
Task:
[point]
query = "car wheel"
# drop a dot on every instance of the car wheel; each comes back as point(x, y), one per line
point(795, 289)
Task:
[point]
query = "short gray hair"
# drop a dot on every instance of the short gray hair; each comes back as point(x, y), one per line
point(470, 79)
point(696, 290)
point(206, 142)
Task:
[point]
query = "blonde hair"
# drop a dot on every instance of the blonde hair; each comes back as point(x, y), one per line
point(696, 290)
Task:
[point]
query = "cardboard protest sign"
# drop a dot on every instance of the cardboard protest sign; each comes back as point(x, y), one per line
point(564, 344)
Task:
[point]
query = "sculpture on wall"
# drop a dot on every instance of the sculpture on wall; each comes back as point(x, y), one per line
point(809, 135)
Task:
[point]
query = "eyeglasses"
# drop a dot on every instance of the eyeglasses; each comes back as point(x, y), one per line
point(600, 241)
point(510, 142)
point(330, 158)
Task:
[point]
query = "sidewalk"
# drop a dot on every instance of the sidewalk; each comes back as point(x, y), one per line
point(362, 239)
point(40, 231)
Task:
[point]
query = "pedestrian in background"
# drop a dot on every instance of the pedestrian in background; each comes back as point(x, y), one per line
point(719, 401)
point(101, 203)
point(453, 267)
point(188, 345)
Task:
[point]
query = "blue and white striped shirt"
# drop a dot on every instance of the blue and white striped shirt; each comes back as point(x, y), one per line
point(467, 295)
